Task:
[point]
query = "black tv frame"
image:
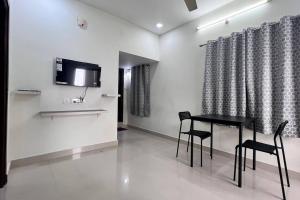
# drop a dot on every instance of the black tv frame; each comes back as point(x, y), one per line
point(63, 65)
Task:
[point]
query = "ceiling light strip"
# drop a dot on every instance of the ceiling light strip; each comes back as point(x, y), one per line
point(225, 18)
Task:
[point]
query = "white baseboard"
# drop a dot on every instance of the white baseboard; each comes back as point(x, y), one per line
point(59, 154)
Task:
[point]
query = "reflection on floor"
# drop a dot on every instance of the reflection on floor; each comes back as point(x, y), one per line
point(142, 168)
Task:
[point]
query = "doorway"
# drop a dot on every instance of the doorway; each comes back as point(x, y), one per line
point(4, 23)
point(126, 62)
point(121, 96)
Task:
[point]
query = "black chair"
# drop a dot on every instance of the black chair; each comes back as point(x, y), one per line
point(266, 148)
point(201, 134)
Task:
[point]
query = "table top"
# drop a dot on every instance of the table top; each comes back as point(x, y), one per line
point(222, 119)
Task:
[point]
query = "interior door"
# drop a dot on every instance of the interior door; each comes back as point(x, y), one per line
point(4, 22)
point(121, 95)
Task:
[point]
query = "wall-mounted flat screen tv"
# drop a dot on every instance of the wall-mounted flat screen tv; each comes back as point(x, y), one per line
point(74, 73)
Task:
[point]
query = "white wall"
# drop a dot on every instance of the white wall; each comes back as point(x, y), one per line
point(177, 82)
point(43, 30)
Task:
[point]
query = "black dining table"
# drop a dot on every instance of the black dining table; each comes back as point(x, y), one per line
point(235, 121)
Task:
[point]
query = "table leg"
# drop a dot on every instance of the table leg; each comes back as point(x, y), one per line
point(254, 139)
point(240, 154)
point(211, 139)
point(192, 142)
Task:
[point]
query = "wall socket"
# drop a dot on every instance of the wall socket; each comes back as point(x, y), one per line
point(73, 101)
point(76, 100)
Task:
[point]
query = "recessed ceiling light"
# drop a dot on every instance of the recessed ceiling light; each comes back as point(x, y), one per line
point(159, 25)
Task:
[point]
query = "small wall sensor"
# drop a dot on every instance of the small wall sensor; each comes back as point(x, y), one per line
point(82, 23)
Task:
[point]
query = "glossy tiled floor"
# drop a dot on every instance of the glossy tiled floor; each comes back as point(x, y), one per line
point(142, 168)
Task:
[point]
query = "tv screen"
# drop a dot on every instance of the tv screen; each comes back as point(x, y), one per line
point(74, 73)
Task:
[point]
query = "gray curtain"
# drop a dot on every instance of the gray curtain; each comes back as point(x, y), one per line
point(224, 86)
point(140, 91)
point(267, 75)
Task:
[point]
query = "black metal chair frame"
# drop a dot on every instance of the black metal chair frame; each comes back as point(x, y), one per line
point(266, 149)
point(187, 116)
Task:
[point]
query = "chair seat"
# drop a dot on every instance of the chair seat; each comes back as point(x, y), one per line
point(201, 134)
point(250, 144)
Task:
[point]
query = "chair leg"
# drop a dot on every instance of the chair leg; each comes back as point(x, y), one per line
point(235, 156)
point(211, 150)
point(178, 144)
point(201, 152)
point(280, 174)
point(211, 139)
point(245, 155)
point(286, 170)
point(187, 149)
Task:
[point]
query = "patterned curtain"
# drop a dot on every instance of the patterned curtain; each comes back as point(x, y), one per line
point(270, 60)
point(140, 91)
point(224, 86)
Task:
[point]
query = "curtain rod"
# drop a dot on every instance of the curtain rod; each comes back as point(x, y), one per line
point(255, 28)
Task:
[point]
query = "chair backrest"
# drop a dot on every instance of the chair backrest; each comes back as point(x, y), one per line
point(280, 129)
point(184, 115)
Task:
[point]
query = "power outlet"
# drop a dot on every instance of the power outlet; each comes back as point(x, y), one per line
point(77, 100)
point(74, 101)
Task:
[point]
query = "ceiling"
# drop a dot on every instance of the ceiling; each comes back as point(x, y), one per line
point(129, 60)
point(147, 13)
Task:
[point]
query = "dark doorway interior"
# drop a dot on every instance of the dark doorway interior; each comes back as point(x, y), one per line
point(4, 22)
point(121, 95)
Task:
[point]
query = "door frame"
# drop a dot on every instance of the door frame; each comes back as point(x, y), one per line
point(4, 39)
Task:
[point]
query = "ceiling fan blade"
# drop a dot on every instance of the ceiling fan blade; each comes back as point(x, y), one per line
point(191, 4)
